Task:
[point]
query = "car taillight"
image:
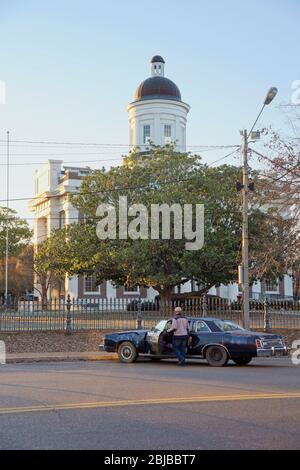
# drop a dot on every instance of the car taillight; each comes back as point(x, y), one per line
point(258, 343)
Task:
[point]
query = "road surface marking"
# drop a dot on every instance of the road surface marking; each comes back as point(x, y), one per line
point(150, 401)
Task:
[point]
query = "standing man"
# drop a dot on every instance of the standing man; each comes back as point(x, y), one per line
point(180, 327)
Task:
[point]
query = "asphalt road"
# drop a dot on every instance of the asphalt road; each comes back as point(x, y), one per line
point(108, 405)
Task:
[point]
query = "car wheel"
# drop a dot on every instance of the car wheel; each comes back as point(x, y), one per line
point(216, 356)
point(127, 352)
point(242, 361)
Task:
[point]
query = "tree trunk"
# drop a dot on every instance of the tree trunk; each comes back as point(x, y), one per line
point(44, 296)
point(165, 304)
point(296, 284)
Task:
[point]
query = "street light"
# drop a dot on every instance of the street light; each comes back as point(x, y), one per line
point(271, 95)
point(245, 230)
point(7, 220)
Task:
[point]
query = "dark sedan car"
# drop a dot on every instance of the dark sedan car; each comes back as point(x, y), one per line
point(212, 339)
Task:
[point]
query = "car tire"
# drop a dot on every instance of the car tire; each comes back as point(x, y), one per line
point(127, 352)
point(216, 356)
point(242, 360)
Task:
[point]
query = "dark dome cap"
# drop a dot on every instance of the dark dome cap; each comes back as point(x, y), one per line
point(157, 58)
point(157, 88)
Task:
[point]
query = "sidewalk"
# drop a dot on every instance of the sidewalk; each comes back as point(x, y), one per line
point(61, 356)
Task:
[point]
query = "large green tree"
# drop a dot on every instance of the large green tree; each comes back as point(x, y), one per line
point(51, 262)
point(19, 233)
point(165, 176)
point(20, 272)
point(19, 237)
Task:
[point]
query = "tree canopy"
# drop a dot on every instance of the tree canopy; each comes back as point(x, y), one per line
point(19, 233)
point(165, 176)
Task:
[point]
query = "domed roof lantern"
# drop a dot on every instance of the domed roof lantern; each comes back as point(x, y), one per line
point(157, 86)
point(157, 66)
point(157, 58)
point(157, 113)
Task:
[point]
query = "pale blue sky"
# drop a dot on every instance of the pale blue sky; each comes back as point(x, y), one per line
point(72, 66)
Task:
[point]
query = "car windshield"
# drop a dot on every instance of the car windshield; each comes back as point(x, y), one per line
point(160, 326)
point(226, 325)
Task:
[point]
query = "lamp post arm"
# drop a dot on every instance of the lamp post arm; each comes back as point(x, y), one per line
point(260, 113)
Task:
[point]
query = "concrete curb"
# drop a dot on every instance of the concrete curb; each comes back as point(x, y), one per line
point(60, 356)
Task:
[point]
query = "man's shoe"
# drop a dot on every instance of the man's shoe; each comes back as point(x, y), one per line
point(181, 363)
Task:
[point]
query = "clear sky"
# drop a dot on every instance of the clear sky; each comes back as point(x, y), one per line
point(72, 66)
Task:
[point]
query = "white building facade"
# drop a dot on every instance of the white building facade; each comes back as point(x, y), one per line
point(54, 183)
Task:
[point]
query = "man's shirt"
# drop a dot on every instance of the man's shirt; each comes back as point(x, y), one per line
point(180, 326)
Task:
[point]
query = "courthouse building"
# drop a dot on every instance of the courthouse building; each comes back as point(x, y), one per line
point(158, 115)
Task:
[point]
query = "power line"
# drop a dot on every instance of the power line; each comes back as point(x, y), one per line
point(222, 158)
point(109, 144)
point(99, 152)
point(119, 189)
point(233, 211)
point(279, 180)
point(85, 161)
point(64, 162)
point(290, 170)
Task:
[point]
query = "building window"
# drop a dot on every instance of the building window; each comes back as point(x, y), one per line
point(131, 289)
point(90, 285)
point(271, 286)
point(146, 134)
point(167, 130)
point(195, 287)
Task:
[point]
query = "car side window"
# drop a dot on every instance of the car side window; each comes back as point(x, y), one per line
point(168, 325)
point(201, 326)
point(160, 326)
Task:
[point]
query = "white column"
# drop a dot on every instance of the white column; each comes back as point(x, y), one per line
point(110, 290)
point(71, 215)
point(71, 286)
point(288, 285)
point(157, 138)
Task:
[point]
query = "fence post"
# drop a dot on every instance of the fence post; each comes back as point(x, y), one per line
point(266, 316)
point(139, 314)
point(229, 308)
point(204, 306)
point(69, 317)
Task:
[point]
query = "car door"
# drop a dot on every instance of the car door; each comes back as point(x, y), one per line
point(155, 336)
point(200, 334)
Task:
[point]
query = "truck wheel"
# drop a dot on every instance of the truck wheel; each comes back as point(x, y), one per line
point(242, 360)
point(127, 352)
point(216, 356)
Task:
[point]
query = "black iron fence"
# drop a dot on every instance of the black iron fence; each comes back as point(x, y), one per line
point(119, 314)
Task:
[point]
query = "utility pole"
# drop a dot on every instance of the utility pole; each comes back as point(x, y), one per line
point(245, 232)
point(7, 219)
point(245, 192)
